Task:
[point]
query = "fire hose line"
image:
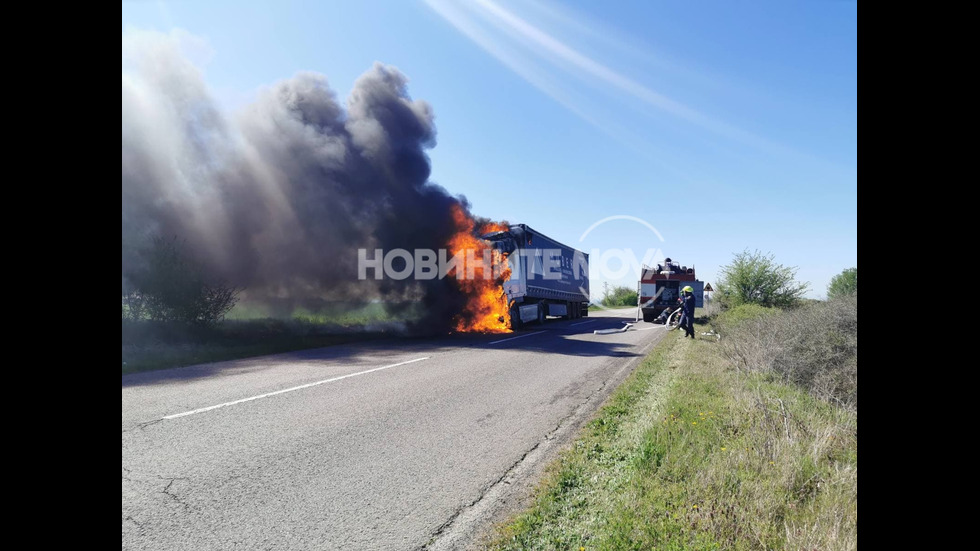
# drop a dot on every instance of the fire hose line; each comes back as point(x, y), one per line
point(626, 327)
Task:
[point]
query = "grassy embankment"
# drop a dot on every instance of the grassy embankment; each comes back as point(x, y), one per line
point(250, 332)
point(697, 451)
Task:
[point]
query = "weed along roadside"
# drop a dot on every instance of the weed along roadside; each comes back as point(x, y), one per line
point(692, 453)
point(148, 347)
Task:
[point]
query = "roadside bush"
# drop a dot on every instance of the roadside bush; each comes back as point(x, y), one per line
point(619, 296)
point(814, 346)
point(726, 320)
point(843, 284)
point(171, 287)
point(756, 278)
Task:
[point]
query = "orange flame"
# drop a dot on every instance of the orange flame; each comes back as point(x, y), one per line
point(492, 227)
point(486, 309)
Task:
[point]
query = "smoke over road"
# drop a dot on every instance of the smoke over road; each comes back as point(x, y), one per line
point(278, 197)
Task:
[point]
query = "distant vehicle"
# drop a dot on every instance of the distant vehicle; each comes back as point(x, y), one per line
point(660, 287)
point(547, 278)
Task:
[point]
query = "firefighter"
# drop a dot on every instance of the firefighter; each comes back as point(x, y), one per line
point(687, 316)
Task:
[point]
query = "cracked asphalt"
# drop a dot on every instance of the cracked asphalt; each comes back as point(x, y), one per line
point(386, 445)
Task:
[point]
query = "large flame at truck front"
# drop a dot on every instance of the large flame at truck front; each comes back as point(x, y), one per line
point(486, 309)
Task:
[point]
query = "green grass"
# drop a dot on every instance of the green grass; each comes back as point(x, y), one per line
point(690, 454)
point(741, 313)
point(249, 330)
point(333, 313)
point(151, 356)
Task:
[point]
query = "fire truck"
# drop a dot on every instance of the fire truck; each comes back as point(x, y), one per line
point(660, 287)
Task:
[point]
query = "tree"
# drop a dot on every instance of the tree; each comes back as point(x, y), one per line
point(843, 284)
point(171, 286)
point(757, 279)
point(619, 296)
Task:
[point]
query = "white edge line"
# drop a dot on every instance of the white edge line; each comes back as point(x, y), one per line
point(583, 322)
point(307, 385)
point(519, 337)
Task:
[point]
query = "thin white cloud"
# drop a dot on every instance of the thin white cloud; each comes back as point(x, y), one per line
point(560, 56)
point(543, 78)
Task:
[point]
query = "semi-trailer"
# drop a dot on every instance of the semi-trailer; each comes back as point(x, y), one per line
point(547, 278)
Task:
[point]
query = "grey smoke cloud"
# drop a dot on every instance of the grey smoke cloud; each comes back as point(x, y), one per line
point(278, 196)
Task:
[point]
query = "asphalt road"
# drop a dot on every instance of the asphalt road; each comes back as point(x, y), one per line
point(387, 445)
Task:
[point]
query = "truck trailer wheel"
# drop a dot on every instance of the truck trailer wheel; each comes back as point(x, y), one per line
point(515, 318)
point(648, 316)
point(541, 316)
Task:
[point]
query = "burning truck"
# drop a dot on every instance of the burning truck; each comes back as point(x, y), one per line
point(546, 278)
point(660, 287)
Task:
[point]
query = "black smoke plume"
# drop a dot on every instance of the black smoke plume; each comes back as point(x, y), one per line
point(279, 197)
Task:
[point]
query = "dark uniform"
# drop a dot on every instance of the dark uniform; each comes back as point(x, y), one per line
point(687, 317)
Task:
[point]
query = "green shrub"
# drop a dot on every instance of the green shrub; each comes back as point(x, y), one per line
point(757, 279)
point(619, 296)
point(843, 284)
point(171, 287)
point(728, 319)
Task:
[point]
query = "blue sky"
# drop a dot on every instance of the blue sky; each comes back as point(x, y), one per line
point(725, 126)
